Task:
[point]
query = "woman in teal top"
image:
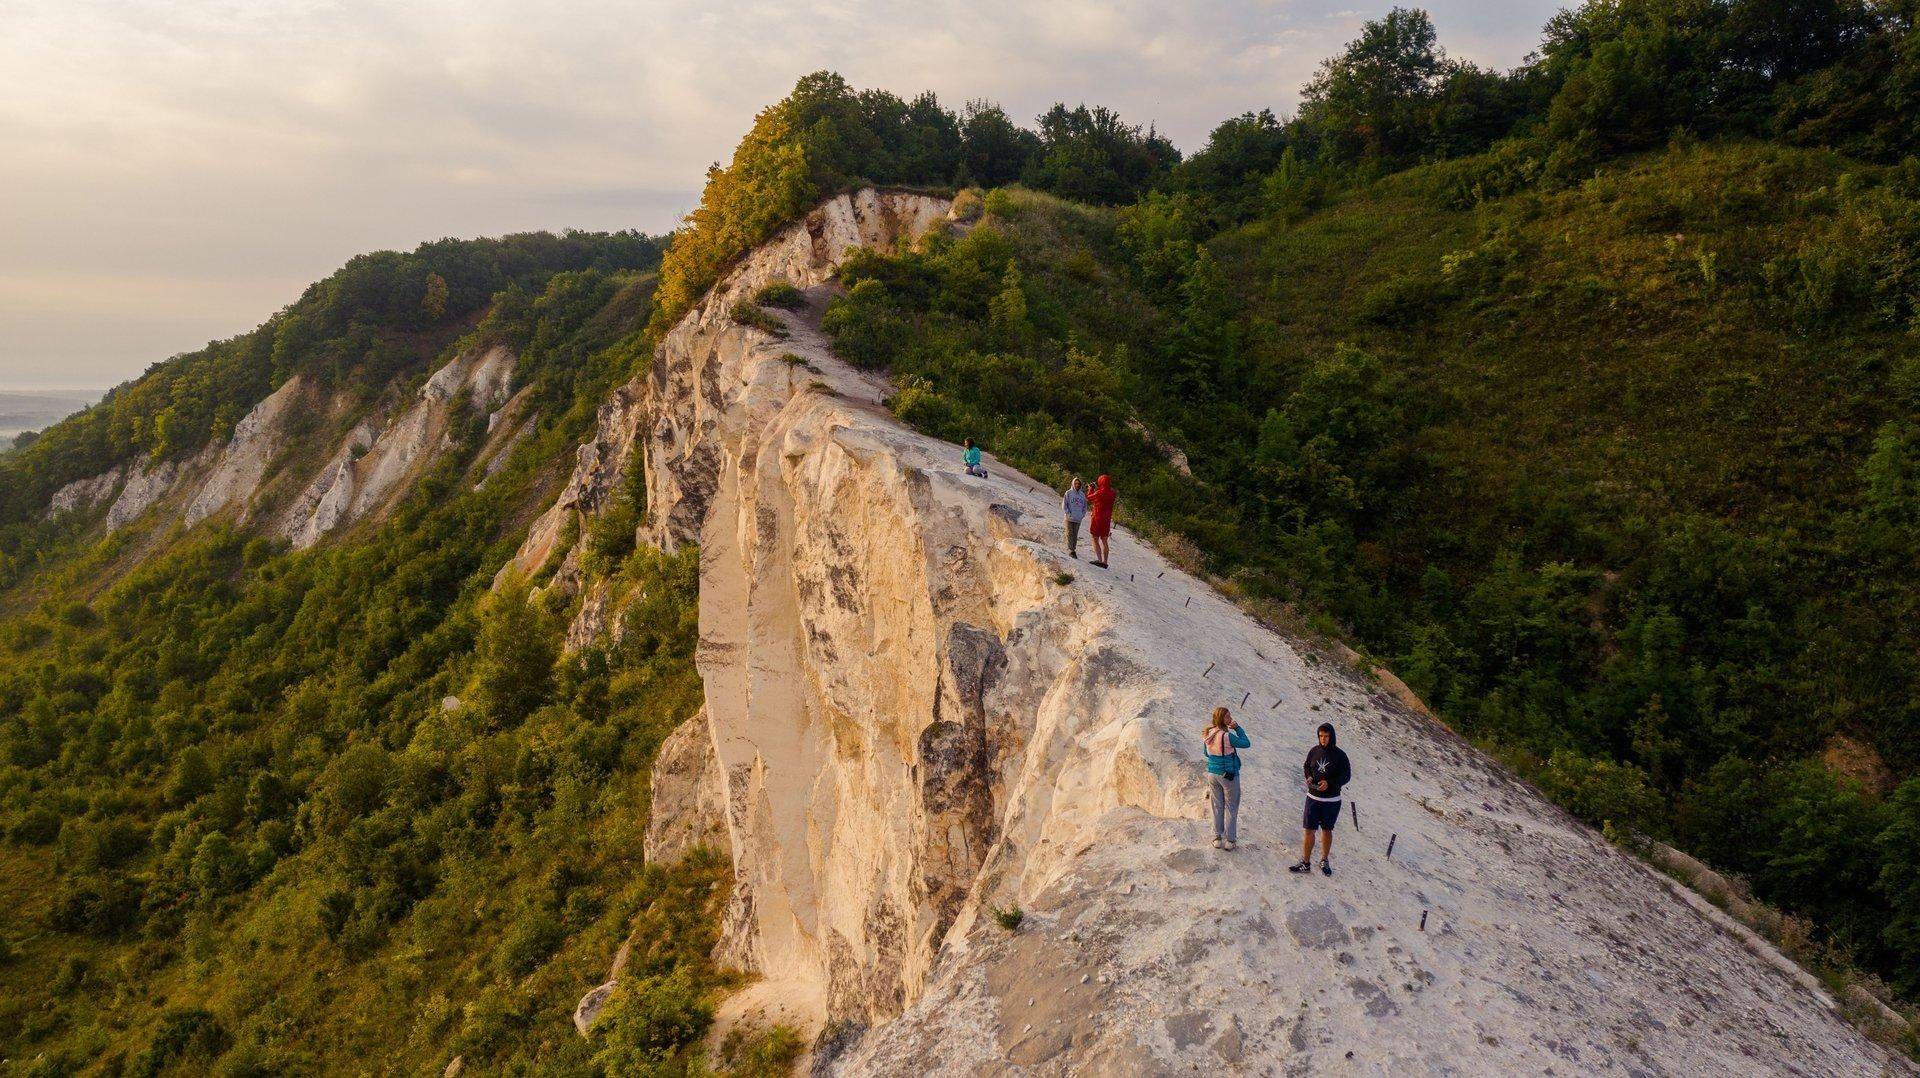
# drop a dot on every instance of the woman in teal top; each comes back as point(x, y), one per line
point(972, 457)
point(1224, 738)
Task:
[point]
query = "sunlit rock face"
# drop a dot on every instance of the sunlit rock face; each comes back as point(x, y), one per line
point(918, 710)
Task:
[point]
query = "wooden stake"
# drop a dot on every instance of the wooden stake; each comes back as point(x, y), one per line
point(1276, 703)
point(1207, 671)
point(1390, 841)
point(1356, 817)
point(1189, 601)
point(1423, 920)
point(1245, 698)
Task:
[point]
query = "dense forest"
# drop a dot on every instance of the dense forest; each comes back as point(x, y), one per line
point(1585, 396)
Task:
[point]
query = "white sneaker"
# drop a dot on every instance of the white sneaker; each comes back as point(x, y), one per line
point(1229, 844)
point(1217, 844)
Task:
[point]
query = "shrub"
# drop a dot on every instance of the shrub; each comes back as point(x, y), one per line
point(532, 939)
point(864, 325)
point(765, 1053)
point(95, 905)
point(969, 205)
point(37, 826)
point(1403, 302)
point(187, 1036)
point(1008, 918)
point(750, 315)
point(650, 1019)
point(218, 867)
point(781, 294)
point(1601, 791)
point(354, 784)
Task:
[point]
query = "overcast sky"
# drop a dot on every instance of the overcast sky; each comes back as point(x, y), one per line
point(173, 172)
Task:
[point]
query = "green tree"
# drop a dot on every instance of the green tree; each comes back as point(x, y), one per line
point(993, 149)
point(1007, 313)
point(1375, 100)
point(433, 301)
point(514, 657)
point(1092, 155)
point(1899, 847)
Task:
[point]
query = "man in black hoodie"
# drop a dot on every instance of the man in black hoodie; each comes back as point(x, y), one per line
point(1327, 770)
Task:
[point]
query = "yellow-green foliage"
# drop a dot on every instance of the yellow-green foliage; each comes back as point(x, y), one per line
point(768, 183)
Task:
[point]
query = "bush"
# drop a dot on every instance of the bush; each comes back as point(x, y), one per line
point(781, 294)
point(767, 1053)
point(218, 867)
point(1008, 918)
point(1601, 791)
point(649, 1020)
point(187, 1036)
point(37, 826)
point(94, 905)
point(864, 326)
point(529, 943)
point(354, 785)
point(969, 205)
point(750, 315)
point(1404, 302)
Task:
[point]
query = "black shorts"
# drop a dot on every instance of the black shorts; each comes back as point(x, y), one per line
point(1320, 815)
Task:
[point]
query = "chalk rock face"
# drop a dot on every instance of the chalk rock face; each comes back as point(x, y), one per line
point(591, 1005)
point(243, 461)
point(375, 466)
point(686, 783)
point(146, 484)
point(85, 493)
point(919, 708)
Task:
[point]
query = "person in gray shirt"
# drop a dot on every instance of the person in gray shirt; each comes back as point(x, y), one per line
point(1075, 505)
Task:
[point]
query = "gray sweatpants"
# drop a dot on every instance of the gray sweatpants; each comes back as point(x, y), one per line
point(1224, 792)
point(1073, 538)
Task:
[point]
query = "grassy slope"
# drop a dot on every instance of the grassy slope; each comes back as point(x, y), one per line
point(1594, 374)
point(1606, 361)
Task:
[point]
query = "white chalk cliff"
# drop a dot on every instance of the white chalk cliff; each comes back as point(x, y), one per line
point(370, 463)
point(918, 708)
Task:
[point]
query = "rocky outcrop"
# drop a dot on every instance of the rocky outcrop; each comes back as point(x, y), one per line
point(242, 462)
point(325, 502)
point(372, 465)
point(600, 464)
point(146, 484)
point(686, 784)
point(919, 709)
point(86, 493)
point(375, 466)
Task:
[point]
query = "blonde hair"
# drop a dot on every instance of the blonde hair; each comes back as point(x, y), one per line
point(1221, 717)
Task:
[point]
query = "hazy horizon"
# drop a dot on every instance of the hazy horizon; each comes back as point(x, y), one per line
point(179, 171)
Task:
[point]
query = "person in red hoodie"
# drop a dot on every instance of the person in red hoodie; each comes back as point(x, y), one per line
point(1100, 518)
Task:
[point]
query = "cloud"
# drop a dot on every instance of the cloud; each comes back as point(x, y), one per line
point(212, 157)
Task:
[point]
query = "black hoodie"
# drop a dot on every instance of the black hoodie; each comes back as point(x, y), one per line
point(1329, 763)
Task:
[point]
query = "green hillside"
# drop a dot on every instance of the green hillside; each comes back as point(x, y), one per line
point(1575, 463)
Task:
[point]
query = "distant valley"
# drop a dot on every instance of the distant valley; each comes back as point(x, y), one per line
point(35, 409)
